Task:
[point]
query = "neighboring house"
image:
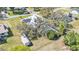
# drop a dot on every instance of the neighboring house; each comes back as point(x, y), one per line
point(3, 31)
point(71, 16)
point(3, 15)
point(74, 14)
point(25, 40)
point(67, 17)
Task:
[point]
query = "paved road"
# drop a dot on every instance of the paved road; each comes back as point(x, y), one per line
point(16, 16)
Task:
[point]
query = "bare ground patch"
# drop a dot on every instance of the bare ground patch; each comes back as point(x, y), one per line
point(44, 44)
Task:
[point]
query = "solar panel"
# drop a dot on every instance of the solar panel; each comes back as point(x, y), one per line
point(26, 20)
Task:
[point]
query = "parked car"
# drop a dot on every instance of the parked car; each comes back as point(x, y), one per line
point(25, 40)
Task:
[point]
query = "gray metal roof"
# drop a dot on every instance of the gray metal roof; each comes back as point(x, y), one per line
point(3, 29)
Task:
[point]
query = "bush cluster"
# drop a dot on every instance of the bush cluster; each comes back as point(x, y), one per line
point(72, 40)
point(20, 48)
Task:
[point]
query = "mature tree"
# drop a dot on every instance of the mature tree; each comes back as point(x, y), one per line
point(2, 8)
point(12, 8)
point(72, 40)
point(36, 9)
point(51, 35)
point(29, 30)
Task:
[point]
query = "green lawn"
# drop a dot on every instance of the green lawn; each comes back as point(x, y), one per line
point(14, 40)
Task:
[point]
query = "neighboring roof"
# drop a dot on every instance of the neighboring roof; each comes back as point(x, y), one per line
point(24, 39)
point(3, 13)
point(74, 12)
point(3, 29)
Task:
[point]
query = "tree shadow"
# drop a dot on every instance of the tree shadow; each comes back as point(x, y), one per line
point(56, 37)
point(3, 41)
point(10, 34)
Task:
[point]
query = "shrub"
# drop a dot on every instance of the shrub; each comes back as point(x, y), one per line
point(73, 48)
point(18, 12)
point(51, 35)
point(37, 9)
point(72, 39)
point(21, 48)
point(62, 27)
point(66, 40)
point(77, 47)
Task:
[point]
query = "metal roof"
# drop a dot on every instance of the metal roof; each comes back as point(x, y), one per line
point(3, 29)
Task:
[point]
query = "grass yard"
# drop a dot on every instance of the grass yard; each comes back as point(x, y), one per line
point(14, 40)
